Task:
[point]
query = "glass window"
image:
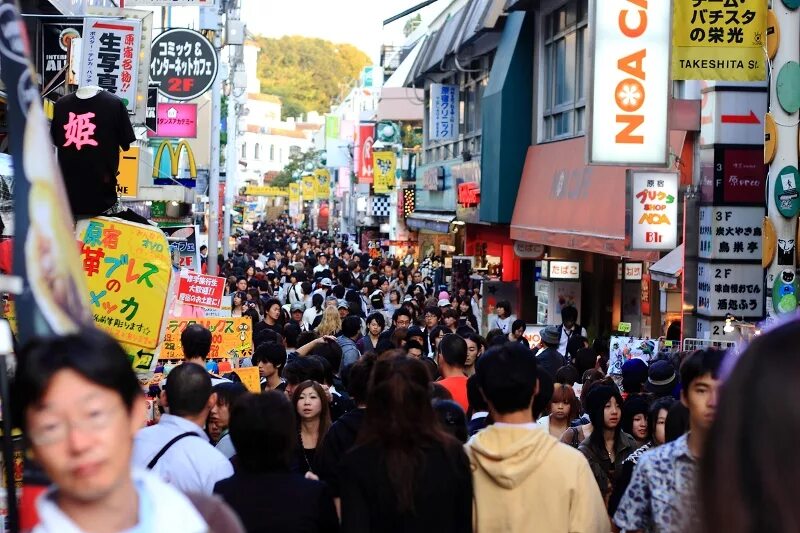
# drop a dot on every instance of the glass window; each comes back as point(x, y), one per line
point(563, 62)
point(257, 151)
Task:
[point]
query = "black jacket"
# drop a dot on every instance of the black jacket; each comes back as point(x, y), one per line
point(279, 501)
point(550, 360)
point(340, 439)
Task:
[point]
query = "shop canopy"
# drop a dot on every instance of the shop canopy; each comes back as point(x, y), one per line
point(668, 268)
point(439, 223)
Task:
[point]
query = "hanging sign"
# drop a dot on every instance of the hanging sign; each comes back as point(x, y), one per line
point(322, 184)
point(730, 288)
point(787, 199)
point(654, 210)
point(54, 46)
point(269, 191)
point(363, 153)
point(719, 41)
point(111, 57)
point(631, 85)
point(176, 121)
point(730, 233)
point(443, 121)
point(385, 167)
point(150, 118)
point(309, 188)
point(230, 337)
point(294, 192)
point(184, 64)
point(201, 290)
point(184, 240)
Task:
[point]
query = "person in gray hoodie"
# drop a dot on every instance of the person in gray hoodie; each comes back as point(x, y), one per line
point(351, 331)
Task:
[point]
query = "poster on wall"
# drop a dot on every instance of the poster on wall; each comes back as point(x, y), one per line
point(622, 349)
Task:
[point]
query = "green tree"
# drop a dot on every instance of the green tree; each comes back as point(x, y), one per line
point(296, 165)
point(307, 74)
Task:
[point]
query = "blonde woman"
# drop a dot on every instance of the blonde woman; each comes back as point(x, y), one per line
point(331, 322)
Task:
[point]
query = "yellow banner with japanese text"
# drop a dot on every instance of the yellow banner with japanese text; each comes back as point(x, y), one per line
point(259, 190)
point(230, 337)
point(322, 184)
point(385, 168)
point(714, 39)
point(294, 192)
point(309, 188)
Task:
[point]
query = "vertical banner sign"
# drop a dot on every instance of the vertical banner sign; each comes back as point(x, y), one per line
point(654, 210)
point(719, 40)
point(111, 57)
point(322, 184)
point(630, 83)
point(309, 188)
point(363, 153)
point(150, 118)
point(55, 39)
point(45, 255)
point(183, 63)
point(443, 123)
point(332, 126)
point(128, 270)
point(385, 169)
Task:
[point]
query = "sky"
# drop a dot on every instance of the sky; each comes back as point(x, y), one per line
point(358, 22)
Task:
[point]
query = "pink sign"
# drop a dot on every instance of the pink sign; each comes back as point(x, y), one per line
point(176, 120)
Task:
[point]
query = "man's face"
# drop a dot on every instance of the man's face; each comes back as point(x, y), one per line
point(241, 285)
point(431, 320)
point(343, 312)
point(266, 369)
point(417, 277)
point(416, 353)
point(297, 315)
point(701, 399)
point(82, 435)
point(387, 271)
point(323, 260)
point(402, 321)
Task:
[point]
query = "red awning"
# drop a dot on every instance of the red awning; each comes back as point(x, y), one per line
point(563, 202)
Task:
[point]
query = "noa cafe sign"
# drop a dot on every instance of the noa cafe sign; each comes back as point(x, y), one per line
point(630, 83)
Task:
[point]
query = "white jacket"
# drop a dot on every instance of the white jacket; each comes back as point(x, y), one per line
point(162, 508)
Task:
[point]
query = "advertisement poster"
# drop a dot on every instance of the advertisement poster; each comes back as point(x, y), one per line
point(111, 57)
point(184, 239)
point(55, 39)
point(200, 290)
point(385, 168)
point(625, 348)
point(230, 337)
point(716, 41)
point(322, 184)
point(363, 152)
point(183, 63)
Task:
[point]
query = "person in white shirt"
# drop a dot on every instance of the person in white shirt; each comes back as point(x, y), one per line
point(177, 449)
point(322, 263)
point(503, 317)
point(295, 289)
point(569, 327)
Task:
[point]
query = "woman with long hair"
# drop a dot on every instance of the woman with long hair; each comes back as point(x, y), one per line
point(634, 419)
point(562, 409)
point(255, 301)
point(238, 304)
point(331, 323)
point(314, 312)
point(607, 446)
point(466, 316)
point(313, 421)
point(403, 464)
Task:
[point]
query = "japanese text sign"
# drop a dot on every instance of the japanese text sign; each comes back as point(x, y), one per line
point(630, 81)
point(184, 64)
point(266, 190)
point(363, 153)
point(385, 167)
point(128, 272)
point(561, 270)
point(728, 288)
point(250, 378)
point(176, 121)
point(201, 290)
point(110, 57)
point(731, 233)
point(230, 337)
point(719, 40)
point(184, 240)
point(654, 210)
point(444, 102)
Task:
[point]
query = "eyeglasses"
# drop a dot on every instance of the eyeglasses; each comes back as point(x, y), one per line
point(89, 422)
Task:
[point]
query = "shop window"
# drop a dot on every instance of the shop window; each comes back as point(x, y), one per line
point(564, 89)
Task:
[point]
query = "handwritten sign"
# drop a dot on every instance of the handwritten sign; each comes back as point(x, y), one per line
point(128, 271)
point(230, 337)
point(201, 290)
point(250, 378)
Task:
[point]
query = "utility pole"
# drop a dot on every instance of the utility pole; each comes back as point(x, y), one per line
point(213, 178)
point(234, 61)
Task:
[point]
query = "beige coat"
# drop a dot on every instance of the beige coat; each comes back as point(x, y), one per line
point(526, 481)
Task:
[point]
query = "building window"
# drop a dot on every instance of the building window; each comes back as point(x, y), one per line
point(257, 152)
point(272, 152)
point(244, 150)
point(564, 90)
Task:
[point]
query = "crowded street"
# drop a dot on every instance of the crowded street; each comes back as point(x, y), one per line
point(399, 266)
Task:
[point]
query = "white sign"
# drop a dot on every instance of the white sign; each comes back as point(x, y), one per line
point(633, 271)
point(731, 233)
point(631, 85)
point(528, 250)
point(110, 57)
point(730, 289)
point(715, 330)
point(654, 210)
point(561, 269)
point(731, 117)
point(443, 123)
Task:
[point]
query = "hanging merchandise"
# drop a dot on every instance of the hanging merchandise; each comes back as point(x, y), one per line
point(89, 128)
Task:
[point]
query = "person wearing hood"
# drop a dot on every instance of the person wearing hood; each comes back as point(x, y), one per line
point(522, 477)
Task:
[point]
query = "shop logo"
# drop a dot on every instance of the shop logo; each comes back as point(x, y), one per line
point(174, 158)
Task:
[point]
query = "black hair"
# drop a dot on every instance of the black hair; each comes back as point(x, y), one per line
point(327, 370)
point(414, 344)
point(545, 394)
point(188, 389)
point(453, 350)
point(331, 352)
point(434, 333)
point(357, 377)
point(270, 352)
point(506, 305)
point(635, 404)
point(401, 311)
point(379, 318)
point(517, 324)
point(433, 310)
point(439, 392)
point(290, 332)
point(263, 431)
point(316, 301)
point(196, 341)
point(266, 335)
point(567, 374)
point(596, 401)
point(698, 364)
point(228, 393)
point(569, 314)
point(452, 418)
point(306, 337)
point(476, 400)
point(304, 369)
point(507, 377)
point(652, 416)
point(351, 326)
point(91, 353)
point(677, 422)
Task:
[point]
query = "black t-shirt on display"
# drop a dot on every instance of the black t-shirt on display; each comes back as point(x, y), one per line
point(88, 134)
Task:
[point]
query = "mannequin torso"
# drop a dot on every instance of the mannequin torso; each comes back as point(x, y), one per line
point(87, 92)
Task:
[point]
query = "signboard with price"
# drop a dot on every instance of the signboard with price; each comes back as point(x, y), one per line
point(184, 64)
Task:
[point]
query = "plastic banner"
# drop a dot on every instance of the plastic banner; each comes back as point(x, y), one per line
point(230, 337)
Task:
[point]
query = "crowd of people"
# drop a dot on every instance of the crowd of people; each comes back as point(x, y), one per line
point(386, 408)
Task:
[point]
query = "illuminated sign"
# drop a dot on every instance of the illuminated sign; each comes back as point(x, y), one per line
point(630, 81)
point(561, 270)
point(654, 210)
point(176, 121)
point(174, 157)
point(469, 194)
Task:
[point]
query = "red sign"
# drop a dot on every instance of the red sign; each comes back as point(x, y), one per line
point(363, 153)
point(469, 194)
point(646, 295)
point(201, 290)
point(176, 120)
point(744, 176)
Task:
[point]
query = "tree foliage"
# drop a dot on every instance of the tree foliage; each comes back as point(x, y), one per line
point(296, 165)
point(308, 74)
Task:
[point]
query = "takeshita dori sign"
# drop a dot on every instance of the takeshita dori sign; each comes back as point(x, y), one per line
point(630, 83)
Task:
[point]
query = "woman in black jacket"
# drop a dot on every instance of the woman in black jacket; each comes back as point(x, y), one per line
point(265, 494)
point(406, 474)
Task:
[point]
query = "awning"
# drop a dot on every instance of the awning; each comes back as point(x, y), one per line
point(400, 103)
point(565, 203)
point(400, 78)
point(439, 223)
point(668, 268)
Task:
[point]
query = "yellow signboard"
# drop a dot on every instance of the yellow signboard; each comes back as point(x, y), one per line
point(322, 184)
point(309, 188)
point(174, 158)
point(294, 192)
point(266, 191)
point(385, 167)
point(128, 271)
point(712, 40)
point(230, 337)
point(128, 177)
point(250, 378)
